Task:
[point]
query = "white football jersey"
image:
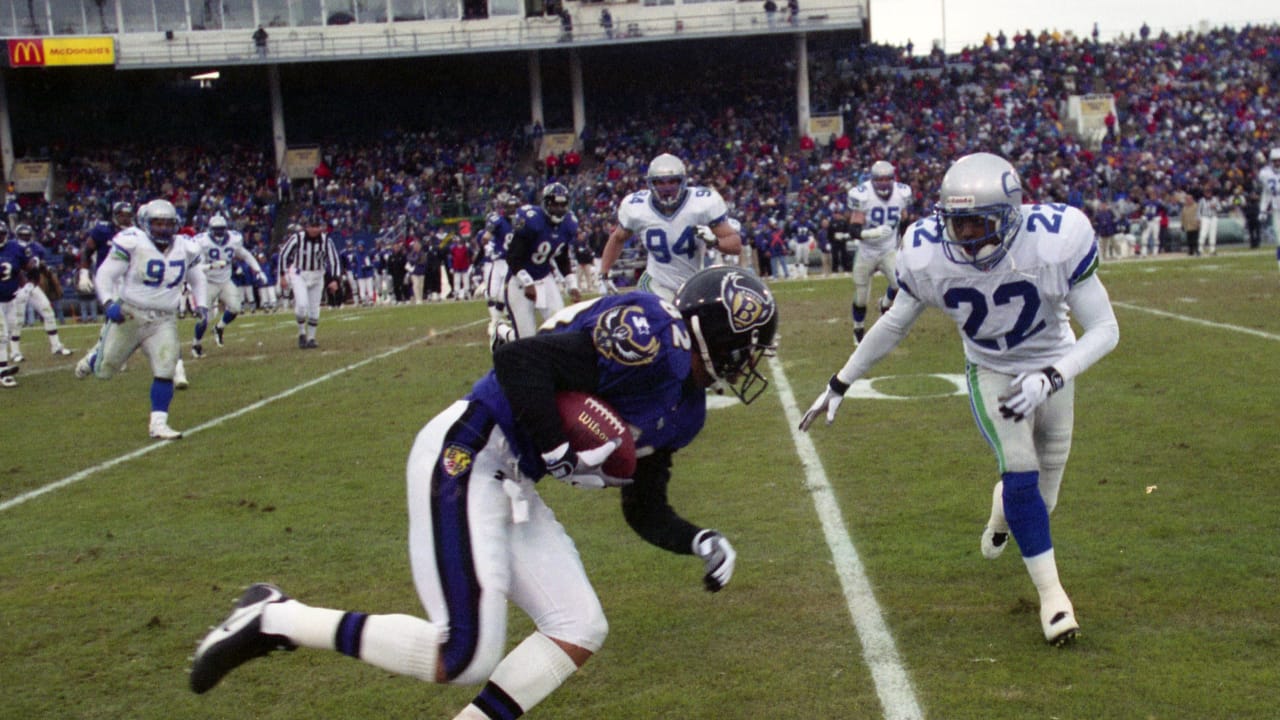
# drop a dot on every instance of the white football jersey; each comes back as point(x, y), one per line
point(671, 241)
point(1269, 179)
point(137, 273)
point(880, 211)
point(219, 256)
point(1012, 318)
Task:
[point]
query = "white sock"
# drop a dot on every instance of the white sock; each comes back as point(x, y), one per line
point(533, 670)
point(1044, 574)
point(401, 644)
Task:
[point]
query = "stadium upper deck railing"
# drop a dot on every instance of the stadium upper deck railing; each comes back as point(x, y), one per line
point(631, 24)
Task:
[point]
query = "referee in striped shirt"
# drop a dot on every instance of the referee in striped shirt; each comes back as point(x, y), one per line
point(310, 261)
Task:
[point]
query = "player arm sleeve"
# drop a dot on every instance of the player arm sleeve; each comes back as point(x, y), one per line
point(883, 337)
point(565, 265)
point(199, 285)
point(519, 250)
point(1091, 307)
point(87, 249)
point(108, 277)
point(249, 259)
point(647, 511)
point(532, 370)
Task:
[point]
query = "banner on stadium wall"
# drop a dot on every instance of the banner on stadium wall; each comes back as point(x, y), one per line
point(60, 52)
point(825, 128)
point(300, 163)
point(33, 177)
point(556, 143)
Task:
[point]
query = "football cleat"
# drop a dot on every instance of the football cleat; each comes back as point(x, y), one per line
point(302, 342)
point(858, 334)
point(159, 428)
point(8, 370)
point(84, 368)
point(17, 358)
point(197, 351)
point(62, 350)
point(993, 543)
point(1058, 619)
point(311, 344)
point(180, 377)
point(8, 381)
point(238, 639)
point(217, 334)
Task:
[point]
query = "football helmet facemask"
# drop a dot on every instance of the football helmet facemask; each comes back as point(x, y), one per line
point(555, 200)
point(218, 227)
point(159, 220)
point(883, 177)
point(122, 215)
point(667, 180)
point(732, 318)
point(25, 233)
point(979, 208)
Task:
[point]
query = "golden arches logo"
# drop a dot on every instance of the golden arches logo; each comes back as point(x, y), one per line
point(26, 52)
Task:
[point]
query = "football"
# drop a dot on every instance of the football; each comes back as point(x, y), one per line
point(589, 422)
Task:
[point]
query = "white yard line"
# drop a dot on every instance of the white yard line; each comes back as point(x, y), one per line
point(147, 449)
point(893, 684)
point(1197, 321)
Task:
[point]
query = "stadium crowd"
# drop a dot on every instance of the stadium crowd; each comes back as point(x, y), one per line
point(1196, 114)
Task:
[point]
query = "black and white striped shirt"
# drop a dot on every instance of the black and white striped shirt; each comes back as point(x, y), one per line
point(310, 255)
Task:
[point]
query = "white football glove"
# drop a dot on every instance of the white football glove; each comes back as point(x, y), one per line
point(707, 236)
point(261, 278)
point(582, 469)
point(875, 233)
point(829, 402)
point(1028, 391)
point(84, 281)
point(717, 556)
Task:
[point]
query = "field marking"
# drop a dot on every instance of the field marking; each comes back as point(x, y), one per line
point(146, 449)
point(893, 684)
point(1197, 321)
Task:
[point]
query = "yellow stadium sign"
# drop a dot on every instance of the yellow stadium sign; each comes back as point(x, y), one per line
point(53, 52)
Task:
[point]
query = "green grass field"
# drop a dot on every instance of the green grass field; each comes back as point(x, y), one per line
point(293, 471)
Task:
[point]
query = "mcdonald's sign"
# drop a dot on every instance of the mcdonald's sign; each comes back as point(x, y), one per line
point(26, 53)
point(49, 52)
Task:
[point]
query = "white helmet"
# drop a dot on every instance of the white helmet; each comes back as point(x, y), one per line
point(883, 176)
point(666, 171)
point(1275, 155)
point(159, 220)
point(218, 227)
point(982, 187)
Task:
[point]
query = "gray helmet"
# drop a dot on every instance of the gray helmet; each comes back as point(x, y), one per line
point(664, 169)
point(883, 176)
point(981, 187)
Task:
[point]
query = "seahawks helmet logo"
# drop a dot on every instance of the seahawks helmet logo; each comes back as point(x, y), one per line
point(748, 309)
point(623, 335)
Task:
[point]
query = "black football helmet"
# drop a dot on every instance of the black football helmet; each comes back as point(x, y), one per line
point(555, 200)
point(733, 318)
